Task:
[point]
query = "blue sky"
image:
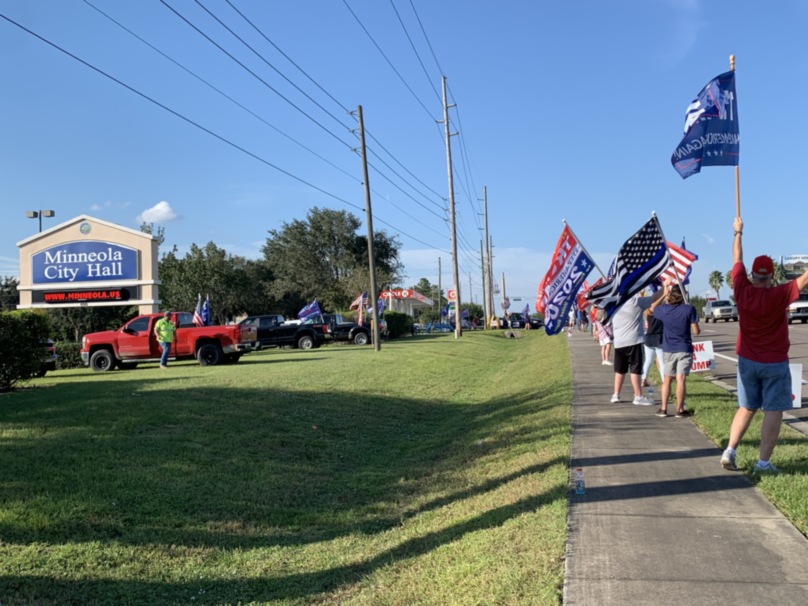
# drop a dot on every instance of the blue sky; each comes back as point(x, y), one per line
point(564, 111)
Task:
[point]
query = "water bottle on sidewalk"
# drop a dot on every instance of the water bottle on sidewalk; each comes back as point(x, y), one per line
point(580, 486)
point(650, 392)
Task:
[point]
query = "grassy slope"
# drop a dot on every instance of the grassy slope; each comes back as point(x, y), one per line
point(432, 472)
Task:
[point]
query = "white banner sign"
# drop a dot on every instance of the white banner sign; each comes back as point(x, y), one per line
point(703, 357)
point(796, 385)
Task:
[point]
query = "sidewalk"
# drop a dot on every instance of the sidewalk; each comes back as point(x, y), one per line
point(661, 522)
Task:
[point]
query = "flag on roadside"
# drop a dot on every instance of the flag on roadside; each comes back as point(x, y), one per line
point(682, 260)
point(312, 310)
point(360, 302)
point(641, 259)
point(569, 267)
point(581, 300)
point(198, 320)
point(526, 312)
point(206, 311)
point(686, 281)
point(711, 129)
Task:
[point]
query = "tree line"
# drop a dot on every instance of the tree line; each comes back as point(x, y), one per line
point(321, 257)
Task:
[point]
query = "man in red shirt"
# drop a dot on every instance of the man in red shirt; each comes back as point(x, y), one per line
point(764, 380)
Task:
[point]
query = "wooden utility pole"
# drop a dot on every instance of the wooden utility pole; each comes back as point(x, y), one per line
point(440, 287)
point(455, 271)
point(489, 274)
point(377, 345)
point(485, 288)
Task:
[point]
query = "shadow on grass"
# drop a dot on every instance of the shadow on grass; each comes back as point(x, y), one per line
point(293, 586)
point(124, 463)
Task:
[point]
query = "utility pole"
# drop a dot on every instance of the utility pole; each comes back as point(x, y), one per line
point(485, 290)
point(505, 302)
point(376, 340)
point(489, 274)
point(440, 288)
point(455, 274)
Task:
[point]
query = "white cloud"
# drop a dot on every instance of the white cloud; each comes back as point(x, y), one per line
point(159, 213)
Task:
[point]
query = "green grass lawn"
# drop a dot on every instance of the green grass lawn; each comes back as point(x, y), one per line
point(432, 472)
point(715, 409)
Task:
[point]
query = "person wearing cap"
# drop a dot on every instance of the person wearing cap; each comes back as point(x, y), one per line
point(764, 379)
point(164, 331)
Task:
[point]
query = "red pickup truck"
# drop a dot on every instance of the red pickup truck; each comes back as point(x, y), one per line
point(135, 342)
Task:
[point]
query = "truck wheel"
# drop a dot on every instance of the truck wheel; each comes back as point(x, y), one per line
point(361, 338)
point(306, 342)
point(210, 354)
point(102, 361)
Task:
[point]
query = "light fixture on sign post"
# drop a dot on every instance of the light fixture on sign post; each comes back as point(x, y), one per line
point(38, 214)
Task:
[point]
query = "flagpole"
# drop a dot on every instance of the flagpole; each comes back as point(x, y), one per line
point(670, 258)
point(737, 166)
point(564, 221)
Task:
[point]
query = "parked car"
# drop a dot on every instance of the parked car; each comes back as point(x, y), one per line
point(536, 323)
point(720, 310)
point(341, 329)
point(274, 331)
point(49, 361)
point(134, 342)
point(517, 320)
point(798, 310)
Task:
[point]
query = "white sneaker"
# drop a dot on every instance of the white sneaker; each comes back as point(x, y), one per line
point(607, 363)
point(615, 398)
point(642, 401)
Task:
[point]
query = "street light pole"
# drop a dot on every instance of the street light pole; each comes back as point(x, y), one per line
point(38, 214)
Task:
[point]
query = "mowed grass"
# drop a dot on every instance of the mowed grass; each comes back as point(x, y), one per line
point(715, 408)
point(432, 472)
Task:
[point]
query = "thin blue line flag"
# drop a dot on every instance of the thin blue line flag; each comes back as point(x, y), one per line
point(642, 258)
point(711, 129)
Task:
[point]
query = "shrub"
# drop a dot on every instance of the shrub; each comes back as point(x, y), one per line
point(68, 355)
point(397, 324)
point(22, 334)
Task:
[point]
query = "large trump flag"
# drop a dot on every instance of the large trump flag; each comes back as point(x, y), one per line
point(711, 129)
point(569, 268)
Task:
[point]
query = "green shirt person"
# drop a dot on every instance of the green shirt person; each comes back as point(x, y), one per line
point(164, 330)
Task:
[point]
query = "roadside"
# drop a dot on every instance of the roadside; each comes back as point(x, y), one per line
point(660, 522)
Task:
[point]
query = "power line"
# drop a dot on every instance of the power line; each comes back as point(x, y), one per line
point(264, 82)
point(206, 130)
point(412, 45)
point(225, 95)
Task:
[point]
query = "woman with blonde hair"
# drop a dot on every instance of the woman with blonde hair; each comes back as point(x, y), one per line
point(605, 337)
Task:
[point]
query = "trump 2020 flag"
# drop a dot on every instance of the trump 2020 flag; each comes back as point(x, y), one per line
point(206, 311)
point(312, 310)
point(711, 129)
point(568, 270)
point(641, 259)
point(198, 320)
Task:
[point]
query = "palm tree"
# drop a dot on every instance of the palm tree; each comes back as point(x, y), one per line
point(728, 279)
point(716, 281)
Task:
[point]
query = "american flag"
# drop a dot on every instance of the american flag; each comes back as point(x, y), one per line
point(360, 302)
point(641, 259)
point(198, 320)
point(682, 260)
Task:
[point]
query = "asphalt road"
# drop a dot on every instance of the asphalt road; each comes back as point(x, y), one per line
point(724, 334)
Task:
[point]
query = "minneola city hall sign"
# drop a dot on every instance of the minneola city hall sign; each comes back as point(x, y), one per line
point(88, 262)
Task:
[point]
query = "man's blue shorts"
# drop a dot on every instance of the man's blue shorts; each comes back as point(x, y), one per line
point(764, 386)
